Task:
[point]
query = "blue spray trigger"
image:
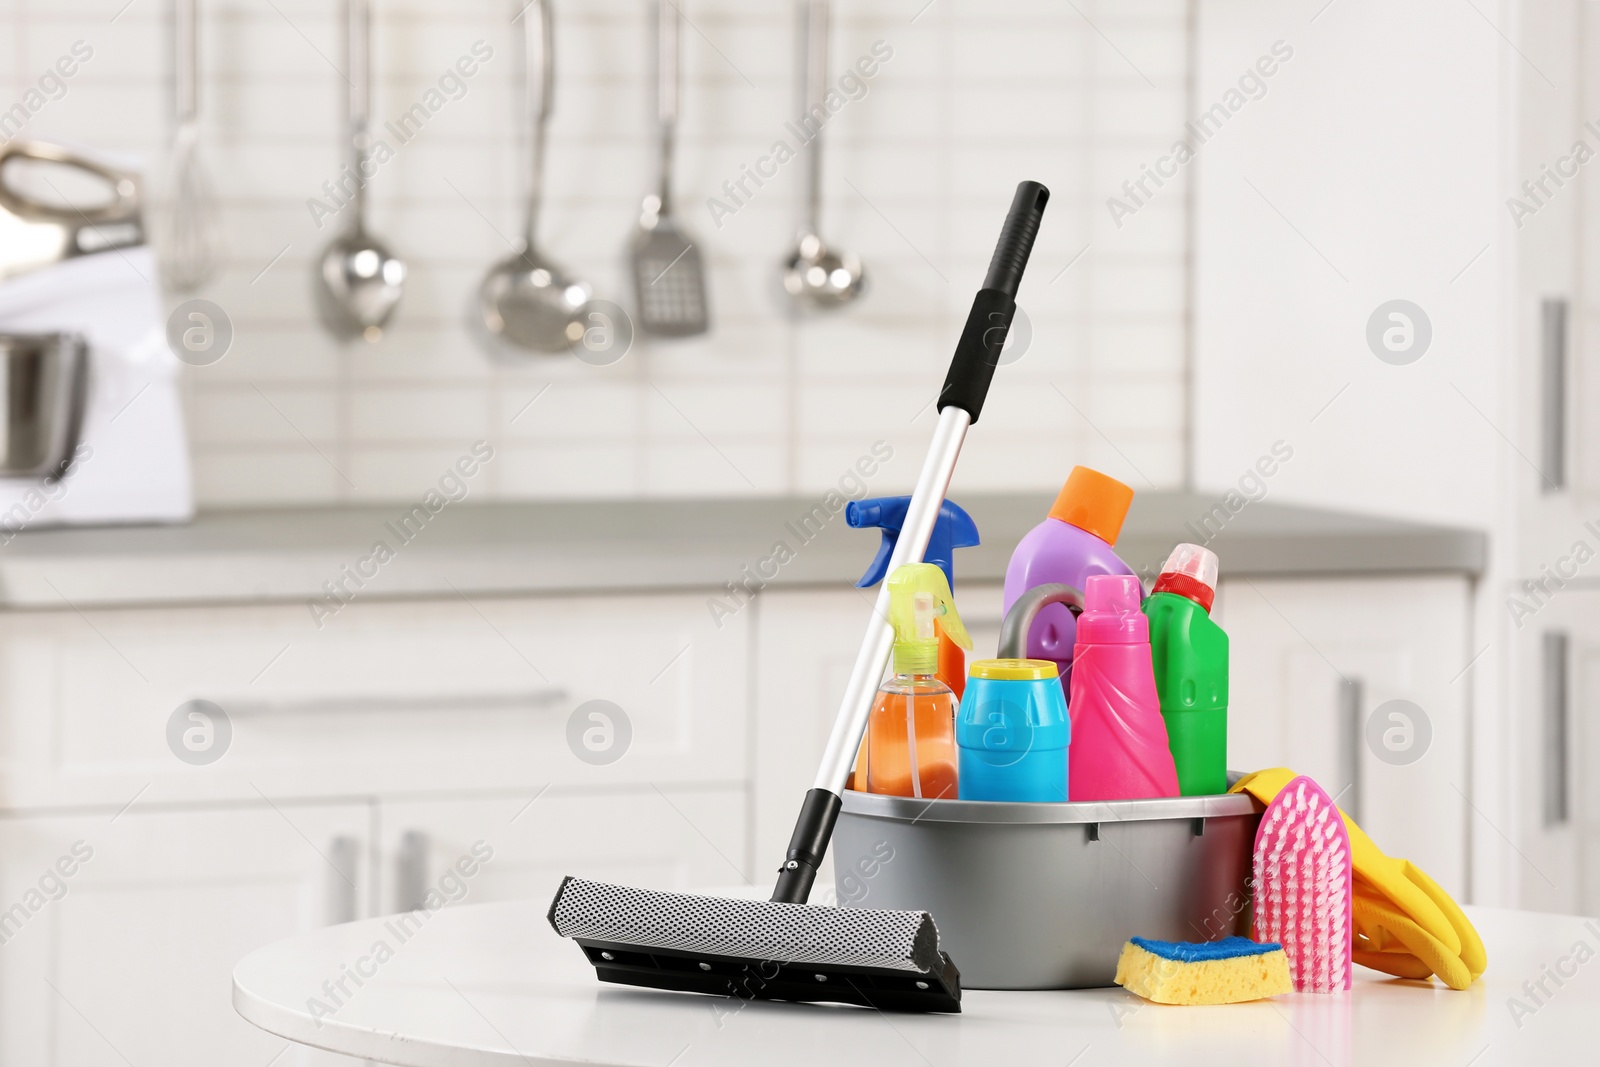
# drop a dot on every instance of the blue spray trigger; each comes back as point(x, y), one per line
point(954, 529)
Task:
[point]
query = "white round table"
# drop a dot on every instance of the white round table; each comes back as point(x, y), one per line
point(491, 985)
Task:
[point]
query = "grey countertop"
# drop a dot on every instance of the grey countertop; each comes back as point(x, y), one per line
point(597, 546)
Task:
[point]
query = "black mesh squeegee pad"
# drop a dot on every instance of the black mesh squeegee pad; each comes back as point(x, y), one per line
point(757, 949)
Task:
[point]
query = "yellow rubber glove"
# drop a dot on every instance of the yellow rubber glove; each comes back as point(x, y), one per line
point(1405, 924)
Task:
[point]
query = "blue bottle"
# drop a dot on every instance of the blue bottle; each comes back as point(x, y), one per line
point(1012, 731)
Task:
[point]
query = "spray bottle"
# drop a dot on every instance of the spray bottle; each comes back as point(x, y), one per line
point(953, 529)
point(1190, 653)
point(911, 731)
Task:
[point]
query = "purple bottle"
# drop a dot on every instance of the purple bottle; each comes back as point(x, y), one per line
point(1068, 547)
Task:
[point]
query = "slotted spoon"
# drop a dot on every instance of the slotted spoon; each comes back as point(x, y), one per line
point(669, 281)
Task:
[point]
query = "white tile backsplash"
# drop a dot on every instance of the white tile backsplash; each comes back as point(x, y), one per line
point(918, 174)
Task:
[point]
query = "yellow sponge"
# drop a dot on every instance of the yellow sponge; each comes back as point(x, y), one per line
point(1207, 972)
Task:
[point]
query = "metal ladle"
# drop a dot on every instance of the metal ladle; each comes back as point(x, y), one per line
point(526, 298)
point(361, 279)
point(814, 275)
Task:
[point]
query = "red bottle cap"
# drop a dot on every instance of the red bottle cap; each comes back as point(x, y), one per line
point(1191, 571)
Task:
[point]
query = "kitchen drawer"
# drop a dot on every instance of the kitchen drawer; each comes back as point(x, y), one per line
point(387, 697)
point(666, 837)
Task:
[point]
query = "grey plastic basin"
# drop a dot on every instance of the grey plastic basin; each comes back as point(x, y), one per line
point(1042, 896)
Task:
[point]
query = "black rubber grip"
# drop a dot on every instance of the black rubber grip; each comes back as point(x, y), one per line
point(1016, 238)
point(978, 352)
point(807, 845)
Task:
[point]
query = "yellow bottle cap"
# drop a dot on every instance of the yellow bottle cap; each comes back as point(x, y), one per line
point(1014, 670)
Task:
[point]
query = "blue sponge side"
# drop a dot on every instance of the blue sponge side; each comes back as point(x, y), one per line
point(1197, 951)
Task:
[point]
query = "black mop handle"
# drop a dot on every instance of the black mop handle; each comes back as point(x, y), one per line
point(978, 351)
point(960, 401)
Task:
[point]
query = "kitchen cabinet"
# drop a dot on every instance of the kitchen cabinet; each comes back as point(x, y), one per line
point(478, 705)
point(127, 958)
point(1556, 709)
point(1361, 685)
point(1292, 259)
point(430, 747)
point(1545, 603)
point(806, 644)
point(660, 837)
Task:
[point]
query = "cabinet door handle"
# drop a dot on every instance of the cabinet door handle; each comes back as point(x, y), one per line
point(1553, 394)
point(411, 870)
point(344, 860)
point(530, 700)
point(1555, 700)
point(1352, 734)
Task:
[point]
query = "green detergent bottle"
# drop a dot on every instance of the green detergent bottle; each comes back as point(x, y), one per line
point(1190, 654)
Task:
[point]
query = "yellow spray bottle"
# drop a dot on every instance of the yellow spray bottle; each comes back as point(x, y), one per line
point(911, 732)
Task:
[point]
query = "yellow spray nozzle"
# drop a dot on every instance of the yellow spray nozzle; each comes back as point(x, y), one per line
point(919, 597)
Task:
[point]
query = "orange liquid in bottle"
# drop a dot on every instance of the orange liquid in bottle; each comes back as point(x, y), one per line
point(911, 739)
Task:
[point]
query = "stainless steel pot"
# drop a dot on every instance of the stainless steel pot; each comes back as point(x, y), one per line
point(43, 384)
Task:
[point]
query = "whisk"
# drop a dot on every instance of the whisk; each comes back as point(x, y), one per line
point(186, 235)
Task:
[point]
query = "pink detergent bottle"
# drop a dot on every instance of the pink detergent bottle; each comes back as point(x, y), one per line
point(1119, 739)
point(1069, 546)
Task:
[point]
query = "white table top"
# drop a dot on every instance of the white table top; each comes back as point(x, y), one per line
point(489, 985)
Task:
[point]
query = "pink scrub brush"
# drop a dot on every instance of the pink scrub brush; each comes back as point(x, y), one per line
point(1303, 886)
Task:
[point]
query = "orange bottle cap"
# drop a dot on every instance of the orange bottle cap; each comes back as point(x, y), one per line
point(1093, 502)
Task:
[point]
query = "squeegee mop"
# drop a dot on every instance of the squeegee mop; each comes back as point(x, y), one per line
point(785, 949)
